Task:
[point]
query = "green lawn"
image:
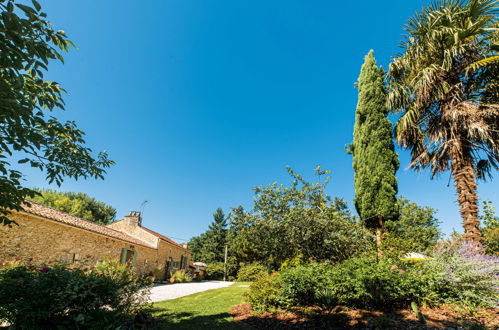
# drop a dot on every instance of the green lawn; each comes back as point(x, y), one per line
point(203, 310)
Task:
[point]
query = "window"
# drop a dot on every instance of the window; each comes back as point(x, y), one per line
point(128, 256)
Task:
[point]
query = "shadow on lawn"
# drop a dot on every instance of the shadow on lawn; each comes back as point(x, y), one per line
point(171, 320)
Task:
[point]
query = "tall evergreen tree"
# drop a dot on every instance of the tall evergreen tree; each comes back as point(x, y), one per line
point(374, 160)
point(209, 246)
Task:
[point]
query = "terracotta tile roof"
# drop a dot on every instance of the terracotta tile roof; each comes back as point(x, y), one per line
point(164, 238)
point(62, 217)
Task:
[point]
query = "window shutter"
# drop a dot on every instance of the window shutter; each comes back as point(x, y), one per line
point(134, 257)
point(123, 255)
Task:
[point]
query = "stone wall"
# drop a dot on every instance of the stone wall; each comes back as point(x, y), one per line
point(48, 241)
point(130, 226)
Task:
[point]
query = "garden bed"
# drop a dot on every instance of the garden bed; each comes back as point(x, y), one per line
point(310, 318)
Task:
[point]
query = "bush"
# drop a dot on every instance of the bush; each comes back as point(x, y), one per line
point(59, 297)
point(377, 283)
point(299, 284)
point(215, 271)
point(180, 276)
point(251, 272)
point(266, 294)
point(463, 275)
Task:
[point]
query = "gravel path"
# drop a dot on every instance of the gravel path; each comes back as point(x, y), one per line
point(171, 291)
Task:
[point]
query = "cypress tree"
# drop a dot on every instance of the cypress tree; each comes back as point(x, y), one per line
point(375, 161)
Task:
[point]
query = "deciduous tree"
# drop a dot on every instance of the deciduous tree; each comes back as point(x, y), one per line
point(77, 204)
point(29, 134)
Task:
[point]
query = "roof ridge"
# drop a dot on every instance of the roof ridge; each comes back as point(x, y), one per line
point(69, 219)
point(74, 216)
point(163, 237)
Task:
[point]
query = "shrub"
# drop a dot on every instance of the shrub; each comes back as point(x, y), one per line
point(299, 284)
point(180, 276)
point(59, 297)
point(251, 272)
point(379, 283)
point(463, 275)
point(266, 294)
point(215, 271)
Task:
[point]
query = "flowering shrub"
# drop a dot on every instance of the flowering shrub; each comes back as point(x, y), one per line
point(463, 275)
point(59, 297)
point(456, 273)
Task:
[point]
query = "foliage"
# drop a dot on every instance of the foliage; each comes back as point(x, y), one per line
point(448, 118)
point(300, 284)
point(463, 275)
point(28, 132)
point(326, 299)
point(265, 294)
point(52, 297)
point(377, 283)
point(375, 161)
point(251, 272)
point(299, 220)
point(215, 271)
point(209, 246)
point(415, 230)
point(78, 204)
point(180, 276)
point(490, 228)
point(361, 282)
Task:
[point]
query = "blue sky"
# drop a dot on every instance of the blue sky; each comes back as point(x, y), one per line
point(199, 101)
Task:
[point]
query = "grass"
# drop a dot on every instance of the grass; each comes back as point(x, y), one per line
point(203, 310)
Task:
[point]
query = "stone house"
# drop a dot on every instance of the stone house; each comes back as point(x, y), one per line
point(48, 236)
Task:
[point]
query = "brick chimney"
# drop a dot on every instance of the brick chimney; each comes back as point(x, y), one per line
point(185, 246)
point(133, 218)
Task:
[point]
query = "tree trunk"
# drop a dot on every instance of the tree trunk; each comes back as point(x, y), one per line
point(466, 188)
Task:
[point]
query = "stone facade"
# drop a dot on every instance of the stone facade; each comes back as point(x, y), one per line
point(48, 240)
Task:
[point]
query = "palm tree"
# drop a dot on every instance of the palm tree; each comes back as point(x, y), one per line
point(448, 118)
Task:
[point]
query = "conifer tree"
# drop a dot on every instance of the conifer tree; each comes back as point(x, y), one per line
point(374, 160)
point(209, 246)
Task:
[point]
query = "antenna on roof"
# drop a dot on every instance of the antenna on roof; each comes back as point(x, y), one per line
point(142, 207)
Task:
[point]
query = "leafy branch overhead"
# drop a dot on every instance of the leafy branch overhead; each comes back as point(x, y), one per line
point(29, 133)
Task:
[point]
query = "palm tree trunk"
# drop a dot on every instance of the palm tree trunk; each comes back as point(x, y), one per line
point(466, 188)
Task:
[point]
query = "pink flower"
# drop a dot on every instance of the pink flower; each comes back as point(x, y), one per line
point(31, 267)
point(392, 249)
point(393, 267)
point(36, 280)
point(44, 269)
point(401, 271)
point(402, 251)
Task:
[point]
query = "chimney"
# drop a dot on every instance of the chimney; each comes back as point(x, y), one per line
point(134, 218)
point(184, 246)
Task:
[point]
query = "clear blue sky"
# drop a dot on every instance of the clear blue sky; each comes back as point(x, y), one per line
point(199, 101)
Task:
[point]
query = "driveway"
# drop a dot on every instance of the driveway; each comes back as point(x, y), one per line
point(162, 292)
